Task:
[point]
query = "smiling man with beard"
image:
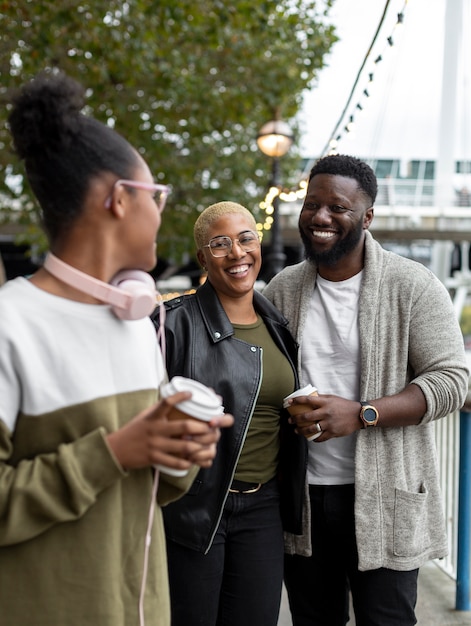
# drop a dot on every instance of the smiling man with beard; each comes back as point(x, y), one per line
point(379, 339)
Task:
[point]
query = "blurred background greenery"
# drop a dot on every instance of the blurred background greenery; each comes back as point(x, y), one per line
point(187, 83)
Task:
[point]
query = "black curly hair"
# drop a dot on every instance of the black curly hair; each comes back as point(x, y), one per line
point(62, 148)
point(351, 167)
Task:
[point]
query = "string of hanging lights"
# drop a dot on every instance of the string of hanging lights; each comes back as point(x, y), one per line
point(337, 134)
point(345, 123)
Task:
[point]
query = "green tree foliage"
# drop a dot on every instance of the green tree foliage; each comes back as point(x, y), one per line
point(188, 83)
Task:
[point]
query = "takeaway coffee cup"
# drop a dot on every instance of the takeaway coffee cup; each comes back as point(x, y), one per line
point(204, 405)
point(295, 409)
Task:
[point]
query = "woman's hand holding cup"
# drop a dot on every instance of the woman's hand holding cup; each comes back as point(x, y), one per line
point(167, 437)
point(204, 409)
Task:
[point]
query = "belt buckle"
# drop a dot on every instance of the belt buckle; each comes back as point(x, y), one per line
point(253, 490)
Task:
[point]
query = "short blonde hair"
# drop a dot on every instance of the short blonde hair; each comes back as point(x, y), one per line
point(213, 213)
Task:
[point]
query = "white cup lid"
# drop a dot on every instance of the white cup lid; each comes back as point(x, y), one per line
point(204, 403)
point(305, 391)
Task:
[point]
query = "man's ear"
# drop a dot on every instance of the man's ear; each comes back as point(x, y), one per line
point(368, 217)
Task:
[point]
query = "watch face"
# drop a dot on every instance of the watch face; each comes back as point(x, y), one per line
point(369, 415)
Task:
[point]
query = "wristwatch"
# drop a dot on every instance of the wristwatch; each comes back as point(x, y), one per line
point(368, 414)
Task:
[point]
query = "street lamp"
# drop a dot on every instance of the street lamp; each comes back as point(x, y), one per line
point(274, 140)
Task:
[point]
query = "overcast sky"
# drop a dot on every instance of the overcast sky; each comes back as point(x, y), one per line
point(401, 118)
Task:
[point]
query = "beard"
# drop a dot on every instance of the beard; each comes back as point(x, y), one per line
point(331, 257)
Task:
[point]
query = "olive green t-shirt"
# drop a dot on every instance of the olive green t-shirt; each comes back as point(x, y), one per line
point(259, 457)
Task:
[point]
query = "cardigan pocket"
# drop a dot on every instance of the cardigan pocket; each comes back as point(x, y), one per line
point(410, 535)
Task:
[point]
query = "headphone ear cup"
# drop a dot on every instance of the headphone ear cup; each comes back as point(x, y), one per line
point(142, 291)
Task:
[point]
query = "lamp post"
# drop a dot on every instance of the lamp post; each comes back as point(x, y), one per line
point(274, 140)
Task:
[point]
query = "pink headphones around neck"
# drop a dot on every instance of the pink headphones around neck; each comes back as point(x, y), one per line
point(132, 293)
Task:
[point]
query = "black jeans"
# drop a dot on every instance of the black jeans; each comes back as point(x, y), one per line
point(318, 587)
point(239, 581)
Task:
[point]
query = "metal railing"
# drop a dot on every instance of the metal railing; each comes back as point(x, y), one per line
point(397, 192)
point(463, 565)
point(417, 192)
point(447, 441)
point(453, 440)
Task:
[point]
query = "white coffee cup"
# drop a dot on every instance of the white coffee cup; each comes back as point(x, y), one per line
point(295, 409)
point(203, 405)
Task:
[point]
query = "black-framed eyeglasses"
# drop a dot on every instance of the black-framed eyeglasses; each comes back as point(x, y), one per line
point(221, 246)
point(159, 192)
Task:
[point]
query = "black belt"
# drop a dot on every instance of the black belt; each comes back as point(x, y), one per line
point(240, 486)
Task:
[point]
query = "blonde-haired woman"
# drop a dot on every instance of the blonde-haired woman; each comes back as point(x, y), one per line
point(225, 537)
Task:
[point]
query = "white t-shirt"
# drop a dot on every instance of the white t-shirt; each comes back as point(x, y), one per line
point(330, 360)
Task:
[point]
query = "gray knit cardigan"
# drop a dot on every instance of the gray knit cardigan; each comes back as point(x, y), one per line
point(408, 333)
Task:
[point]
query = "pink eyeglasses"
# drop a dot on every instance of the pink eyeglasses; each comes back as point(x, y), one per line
point(159, 192)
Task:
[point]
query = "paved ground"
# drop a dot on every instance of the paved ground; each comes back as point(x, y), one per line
point(435, 605)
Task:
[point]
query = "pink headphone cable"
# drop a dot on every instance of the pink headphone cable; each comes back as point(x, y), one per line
point(155, 485)
point(161, 331)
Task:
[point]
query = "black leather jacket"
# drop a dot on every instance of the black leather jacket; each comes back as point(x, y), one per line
point(201, 345)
